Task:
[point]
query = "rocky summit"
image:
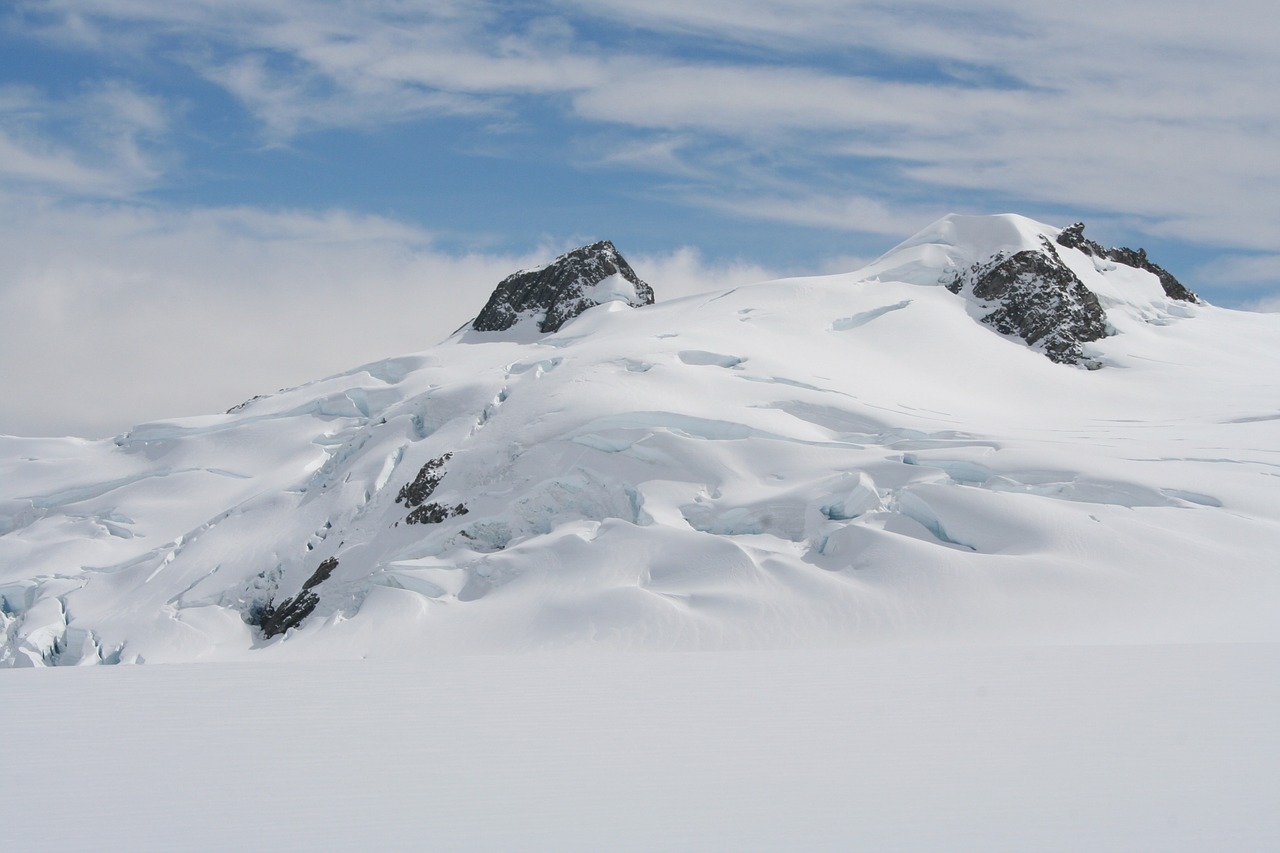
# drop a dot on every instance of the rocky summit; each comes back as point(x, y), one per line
point(1034, 295)
point(556, 293)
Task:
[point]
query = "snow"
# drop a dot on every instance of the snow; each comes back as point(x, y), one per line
point(816, 564)
point(956, 242)
point(1008, 748)
point(613, 288)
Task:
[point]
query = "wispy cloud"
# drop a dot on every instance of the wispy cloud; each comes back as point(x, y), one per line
point(840, 213)
point(1141, 110)
point(100, 141)
point(1266, 305)
point(1249, 272)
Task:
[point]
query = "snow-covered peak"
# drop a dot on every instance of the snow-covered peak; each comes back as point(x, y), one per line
point(956, 241)
point(805, 461)
point(549, 296)
point(1049, 286)
point(982, 236)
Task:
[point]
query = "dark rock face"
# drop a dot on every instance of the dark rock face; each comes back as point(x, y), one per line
point(414, 495)
point(559, 291)
point(276, 620)
point(1073, 238)
point(1039, 299)
point(434, 513)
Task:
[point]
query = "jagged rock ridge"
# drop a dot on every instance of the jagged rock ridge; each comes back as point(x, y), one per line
point(275, 620)
point(1073, 238)
point(1039, 299)
point(563, 289)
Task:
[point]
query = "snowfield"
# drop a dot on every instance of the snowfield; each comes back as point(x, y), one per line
point(896, 577)
point(802, 463)
point(991, 750)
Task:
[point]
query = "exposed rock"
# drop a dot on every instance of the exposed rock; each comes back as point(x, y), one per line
point(414, 495)
point(434, 513)
point(239, 407)
point(562, 290)
point(1073, 238)
point(276, 620)
point(1039, 299)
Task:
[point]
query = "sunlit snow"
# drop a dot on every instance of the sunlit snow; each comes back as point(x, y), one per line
point(812, 468)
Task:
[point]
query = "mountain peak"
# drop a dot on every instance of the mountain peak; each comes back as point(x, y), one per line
point(1034, 295)
point(1049, 286)
point(552, 295)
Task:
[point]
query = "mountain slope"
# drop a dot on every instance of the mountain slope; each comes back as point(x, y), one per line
point(802, 462)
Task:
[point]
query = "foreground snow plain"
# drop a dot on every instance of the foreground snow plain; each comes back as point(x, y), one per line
point(815, 564)
point(977, 748)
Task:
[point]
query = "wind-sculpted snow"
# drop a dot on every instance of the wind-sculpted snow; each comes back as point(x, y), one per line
point(804, 462)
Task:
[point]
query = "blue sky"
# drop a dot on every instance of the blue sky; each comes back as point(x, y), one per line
point(204, 200)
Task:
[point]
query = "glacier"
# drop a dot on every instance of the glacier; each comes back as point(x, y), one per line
point(809, 462)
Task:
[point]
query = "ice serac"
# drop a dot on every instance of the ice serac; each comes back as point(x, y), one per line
point(563, 289)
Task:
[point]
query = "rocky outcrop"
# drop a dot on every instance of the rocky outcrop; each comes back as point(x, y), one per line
point(1032, 294)
point(1073, 238)
point(414, 495)
point(563, 289)
point(276, 620)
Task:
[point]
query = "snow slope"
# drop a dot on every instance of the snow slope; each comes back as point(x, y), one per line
point(807, 462)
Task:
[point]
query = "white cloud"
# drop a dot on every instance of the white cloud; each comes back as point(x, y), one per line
point(1249, 272)
point(1266, 305)
point(118, 314)
point(99, 142)
point(685, 272)
point(1163, 112)
point(843, 213)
